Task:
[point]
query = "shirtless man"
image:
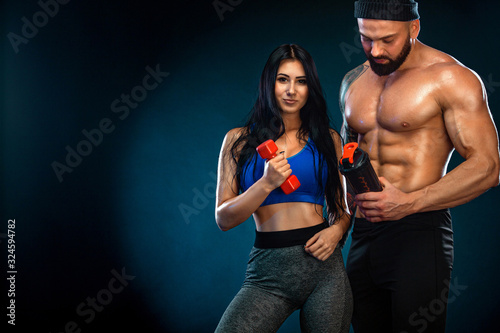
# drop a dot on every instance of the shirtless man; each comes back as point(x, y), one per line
point(409, 106)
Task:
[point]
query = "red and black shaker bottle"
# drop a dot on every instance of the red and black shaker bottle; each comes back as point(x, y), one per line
point(356, 167)
point(267, 150)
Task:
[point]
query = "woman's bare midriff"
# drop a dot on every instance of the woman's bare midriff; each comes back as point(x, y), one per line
point(288, 216)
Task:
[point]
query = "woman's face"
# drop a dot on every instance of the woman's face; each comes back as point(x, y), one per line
point(290, 88)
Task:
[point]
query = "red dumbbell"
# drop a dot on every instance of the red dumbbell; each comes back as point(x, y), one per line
point(268, 150)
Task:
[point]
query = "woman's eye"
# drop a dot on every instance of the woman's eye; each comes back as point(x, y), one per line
point(302, 81)
point(282, 79)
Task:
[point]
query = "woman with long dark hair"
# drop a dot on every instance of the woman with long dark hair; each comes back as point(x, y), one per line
point(296, 261)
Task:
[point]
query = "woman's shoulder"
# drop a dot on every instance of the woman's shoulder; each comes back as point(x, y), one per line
point(337, 139)
point(234, 134)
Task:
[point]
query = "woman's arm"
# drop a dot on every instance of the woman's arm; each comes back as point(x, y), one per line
point(323, 244)
point(233, 209)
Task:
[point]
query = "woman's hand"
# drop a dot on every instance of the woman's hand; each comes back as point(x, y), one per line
point(276, 171)
point(323, 244)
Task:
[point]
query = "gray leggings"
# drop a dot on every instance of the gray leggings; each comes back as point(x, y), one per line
point(281, 280)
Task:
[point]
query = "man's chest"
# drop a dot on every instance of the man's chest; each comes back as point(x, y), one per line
point(402, 104)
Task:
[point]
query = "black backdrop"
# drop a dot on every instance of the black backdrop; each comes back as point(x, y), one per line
point(113, 114)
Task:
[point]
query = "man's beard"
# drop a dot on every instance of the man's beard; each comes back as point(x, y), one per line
point(392, 65)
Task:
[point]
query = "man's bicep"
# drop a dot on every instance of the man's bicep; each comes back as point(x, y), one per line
point(469, 122)
point(471, 131)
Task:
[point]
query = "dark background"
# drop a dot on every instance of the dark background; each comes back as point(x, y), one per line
point(141, 202)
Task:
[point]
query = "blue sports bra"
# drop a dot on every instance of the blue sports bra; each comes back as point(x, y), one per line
point(304, 165)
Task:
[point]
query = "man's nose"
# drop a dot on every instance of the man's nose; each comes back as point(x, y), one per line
point(376, 50)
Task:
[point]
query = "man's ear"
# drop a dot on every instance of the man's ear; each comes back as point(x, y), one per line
point(414, 29)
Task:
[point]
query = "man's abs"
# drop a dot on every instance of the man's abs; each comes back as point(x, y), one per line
point(401, 126)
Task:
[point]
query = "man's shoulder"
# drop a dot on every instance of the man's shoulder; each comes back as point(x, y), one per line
point(443, 65)
point(453, 75)
point(350, 78)
point(355, 73)
point(454, 82)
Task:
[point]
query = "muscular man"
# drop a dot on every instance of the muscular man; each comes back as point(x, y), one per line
point(410, 106)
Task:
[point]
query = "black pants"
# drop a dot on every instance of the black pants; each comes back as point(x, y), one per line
point(400, 272)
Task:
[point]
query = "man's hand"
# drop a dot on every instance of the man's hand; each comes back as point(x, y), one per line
point(390, 204)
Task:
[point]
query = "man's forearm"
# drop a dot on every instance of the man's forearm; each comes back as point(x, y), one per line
point(464, 183)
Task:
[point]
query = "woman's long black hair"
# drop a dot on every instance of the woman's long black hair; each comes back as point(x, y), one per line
point(265, 122)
